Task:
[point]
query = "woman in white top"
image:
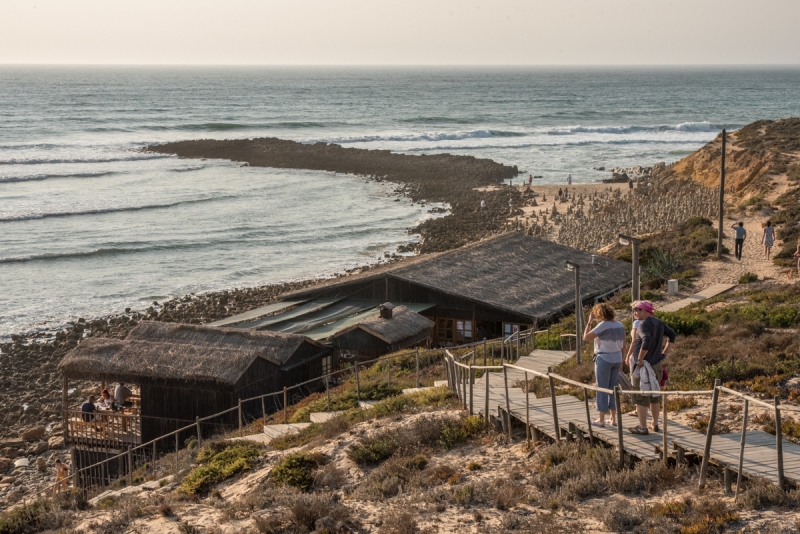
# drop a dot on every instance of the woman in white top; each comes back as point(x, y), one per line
point(768, 239)
point(609, 342)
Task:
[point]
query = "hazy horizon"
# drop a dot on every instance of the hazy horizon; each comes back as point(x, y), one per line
point(394, 33)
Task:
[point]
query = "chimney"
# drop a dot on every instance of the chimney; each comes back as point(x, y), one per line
point(386, 310)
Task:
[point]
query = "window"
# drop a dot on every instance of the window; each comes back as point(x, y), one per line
point(463, 331)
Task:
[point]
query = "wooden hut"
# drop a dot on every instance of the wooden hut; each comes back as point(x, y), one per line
point(482, 290)
point(395, 328)
point(183, 372)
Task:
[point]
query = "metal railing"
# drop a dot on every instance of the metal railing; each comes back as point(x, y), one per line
point(463, 379)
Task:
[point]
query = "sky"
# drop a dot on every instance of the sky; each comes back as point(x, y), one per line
point(405, 32)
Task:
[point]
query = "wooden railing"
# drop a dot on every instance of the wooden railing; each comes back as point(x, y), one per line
point(104, 429)
point(461, 378)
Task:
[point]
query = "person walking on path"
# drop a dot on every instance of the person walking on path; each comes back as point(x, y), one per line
point(741, 234)
point(647, 350)
point(768, 239)
point(609, 342)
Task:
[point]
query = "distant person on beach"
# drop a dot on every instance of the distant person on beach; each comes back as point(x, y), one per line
point(741, 234)
point(648, 355)
point(510, 205)
point(768, 239)
point(569, 180)
point(609, 342)
point(483, 204)
point(560, 193)
point(630, 185)
point(530, 179)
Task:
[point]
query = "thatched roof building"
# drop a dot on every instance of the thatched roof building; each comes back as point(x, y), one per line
point(187, 371)
point(395, 328)
point(483, 289)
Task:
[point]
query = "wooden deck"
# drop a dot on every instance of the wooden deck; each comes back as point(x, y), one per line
point(760, 458)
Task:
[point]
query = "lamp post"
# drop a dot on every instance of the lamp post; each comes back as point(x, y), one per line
point(572, 266)
point(628, 240)
point(721, 196)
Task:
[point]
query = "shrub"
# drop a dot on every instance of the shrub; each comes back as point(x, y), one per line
point(652, 295)
point(296, 470)
point(623, 516)
point(375, 449)
point(684, 323)
point(219, 461)
point(678, 403)
point(762, 495)
point(748, 277)
point(398, 522)
point(320, 512)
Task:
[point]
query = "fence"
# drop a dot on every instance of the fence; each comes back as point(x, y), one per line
point(141, 459)
point(461, 380)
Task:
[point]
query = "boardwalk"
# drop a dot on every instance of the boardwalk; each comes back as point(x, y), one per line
point(707, 293)
point(573, 415)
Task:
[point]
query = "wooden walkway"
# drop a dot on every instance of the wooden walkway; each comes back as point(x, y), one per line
point(760, 457)
point(707, 293)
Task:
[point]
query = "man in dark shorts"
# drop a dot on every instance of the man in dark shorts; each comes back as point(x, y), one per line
point(647, 348)
point(741, 234)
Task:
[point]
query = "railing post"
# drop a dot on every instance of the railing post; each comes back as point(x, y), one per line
point(328, 390)
point(588, 416)
point(664, 436)
point(130, 466)
point(779, 442)
point(358, 384)
point(527, 413)
point(486, 375)
point(177, 453)
point(553, 402)
point(618, 406)
point(709, 434)
point(285, 406)
point(417, 358)
point(471, 375)
point(741, 450)
point(264, 411)
point(464, 379)
point(484, 352)
point(240, 414)
point(508, 402)
point(199, 434)
point(155, 457)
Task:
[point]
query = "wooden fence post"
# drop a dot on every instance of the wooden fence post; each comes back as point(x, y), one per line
point(358, 384)
point(263, 411)
point(484, 352)
point(155, 457)
point(508, 403)
point(285, 406)
point(664, 436)
point(417, 367)
point(588, 416)
point(486, 374)
point(741, 449)
point(553, 401)
point(130, 466)
point(527, 413)
point(328, 390)
point(779, 442)
point(618, 406)
point(709, 434)
point(199, 434)
point(177, 453)
point(240, 414)
point(471, 375)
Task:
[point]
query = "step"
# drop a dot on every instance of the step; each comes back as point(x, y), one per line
point(406, 391)
point(366, 405)
point(277, 431)
point(321, 417)
point(439, 383)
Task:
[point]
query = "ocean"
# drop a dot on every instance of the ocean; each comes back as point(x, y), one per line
point(90, 226)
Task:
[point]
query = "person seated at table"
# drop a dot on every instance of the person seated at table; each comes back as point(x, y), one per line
point(106, 400)
point(121, 395)
point(88, 409)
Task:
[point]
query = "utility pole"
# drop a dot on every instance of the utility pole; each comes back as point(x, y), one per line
point(721, 196)
point(571, 266)
point(635, 285)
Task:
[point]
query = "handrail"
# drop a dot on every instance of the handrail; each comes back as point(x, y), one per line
point(749, 398)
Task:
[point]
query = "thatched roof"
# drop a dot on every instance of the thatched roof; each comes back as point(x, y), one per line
point(404, 324)
point(511, 272)
point(180, 351)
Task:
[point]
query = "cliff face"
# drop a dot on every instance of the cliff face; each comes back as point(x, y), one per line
point(755, 155)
